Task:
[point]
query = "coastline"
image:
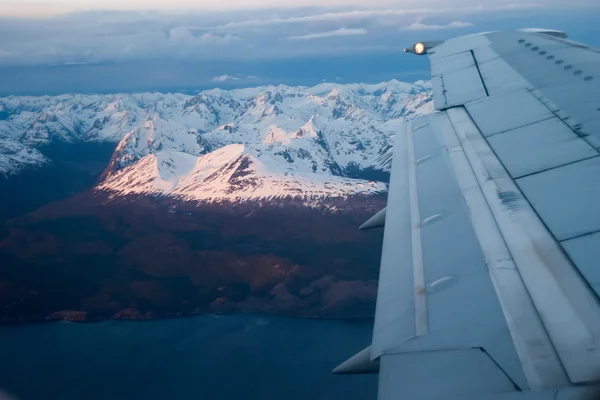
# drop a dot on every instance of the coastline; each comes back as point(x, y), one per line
point(350, 319)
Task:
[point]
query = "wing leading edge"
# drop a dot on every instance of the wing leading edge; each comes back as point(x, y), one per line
point(489, 283)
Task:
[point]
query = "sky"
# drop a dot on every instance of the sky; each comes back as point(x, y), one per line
point(58, 46)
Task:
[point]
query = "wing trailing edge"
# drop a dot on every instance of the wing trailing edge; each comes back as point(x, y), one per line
point(360, 363)
point(376, 221)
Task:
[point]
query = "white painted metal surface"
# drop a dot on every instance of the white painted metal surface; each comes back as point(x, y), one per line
point(462, 307)
point(499, 77)
point(484, 54)
point(551, 32)
point(376, 221)
point(565, 72)
point(469, 373)
point(567, 198)
point(452, 63)
point(518, 144)
point(462, 86)
point(421, 317)
point(395, 311)
point(439, 98)
point(505, 112)
point(458, 45)
point(539, 146)
point(585, 252)
point(538, 358)
point(567, 307)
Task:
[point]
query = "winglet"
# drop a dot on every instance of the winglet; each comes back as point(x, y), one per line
point(360, 363)
point(376, 221)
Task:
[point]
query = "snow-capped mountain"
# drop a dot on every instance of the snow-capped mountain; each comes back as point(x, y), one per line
point(230, 173)
point(274, 141)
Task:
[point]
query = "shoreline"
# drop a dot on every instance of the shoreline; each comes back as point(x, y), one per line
point(348, 319)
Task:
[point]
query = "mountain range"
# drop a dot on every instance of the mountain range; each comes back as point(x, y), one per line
point(290, 140)
point(242, 200)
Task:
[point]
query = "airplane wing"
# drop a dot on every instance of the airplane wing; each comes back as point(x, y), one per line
point(490, 269)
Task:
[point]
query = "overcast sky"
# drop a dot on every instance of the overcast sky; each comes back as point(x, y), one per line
point(126, 45)
point(37, 8)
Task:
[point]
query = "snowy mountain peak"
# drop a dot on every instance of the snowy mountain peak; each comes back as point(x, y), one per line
point(116, 104)
point(230, 174)
point(334, 94)
point(309, 129)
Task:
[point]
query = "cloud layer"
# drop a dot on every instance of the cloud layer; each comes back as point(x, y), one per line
point(45, 8)
point(110, 51)
point(337, 32)
point(109, 36)
point(185, 47)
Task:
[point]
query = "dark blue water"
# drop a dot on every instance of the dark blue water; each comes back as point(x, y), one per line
point(207, 357)
point(75, 167)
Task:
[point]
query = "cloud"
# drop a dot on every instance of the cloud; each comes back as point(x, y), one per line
point(325, 17)
point(225, 78)
point(112, 36)
point(337, 32)
point(185, 34)
point(107, 37)
point(419, 26)
point(44, 8)
point(467, 7)
point(41, 8)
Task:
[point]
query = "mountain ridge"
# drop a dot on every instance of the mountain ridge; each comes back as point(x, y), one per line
point(297, 141)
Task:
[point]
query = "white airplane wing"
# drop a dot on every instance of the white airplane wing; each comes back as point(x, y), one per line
point(490, 270)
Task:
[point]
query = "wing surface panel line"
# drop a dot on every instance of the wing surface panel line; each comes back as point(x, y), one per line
point(556, 167)
point(540, 362)
point(421, 321)
point(591, 140)
point(479, 72)
point(444, 90)
point(568, 309)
